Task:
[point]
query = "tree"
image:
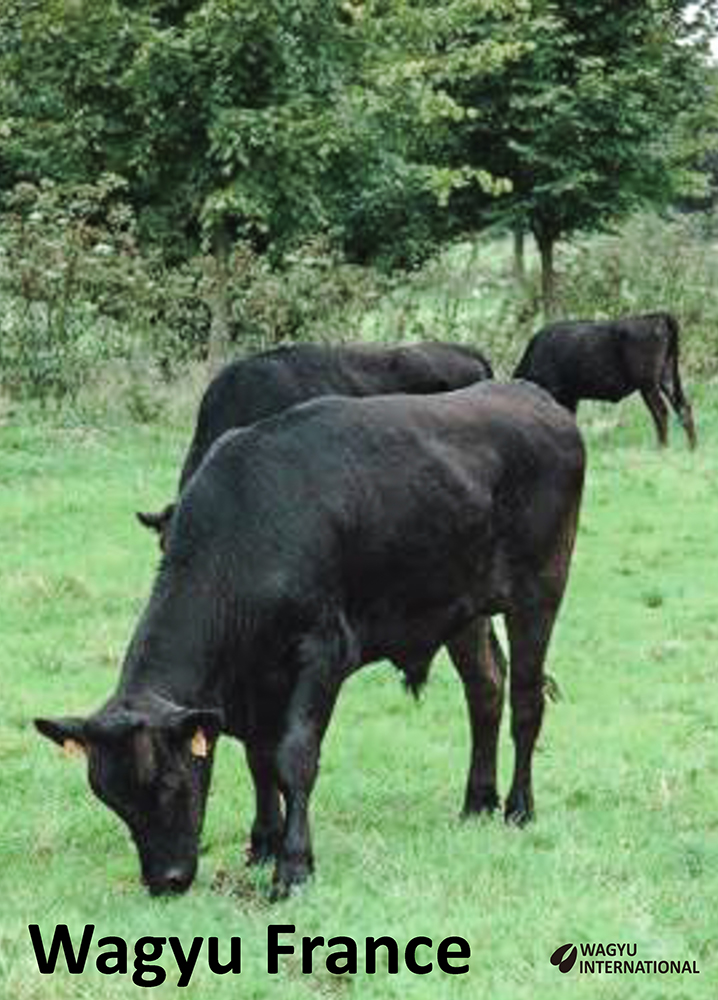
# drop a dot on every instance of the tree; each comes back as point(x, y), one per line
point(581, 121)
point(389, 125)
point(399, 208)
point(225, 117)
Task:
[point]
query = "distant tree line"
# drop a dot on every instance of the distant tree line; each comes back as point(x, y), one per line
point(387, 127)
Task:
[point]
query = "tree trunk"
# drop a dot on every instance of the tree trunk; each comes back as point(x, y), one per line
point(519, 256)
point(546, 244)
point(218, 298)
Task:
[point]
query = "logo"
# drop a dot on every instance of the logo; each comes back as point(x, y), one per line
point(617, 959)
point(565, 964)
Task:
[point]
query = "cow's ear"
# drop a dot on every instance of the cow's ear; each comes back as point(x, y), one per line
point(70, 733)
point(156, 522)
point(105, 728)
point(184, 721)
point(201, 727)
point(200, 744)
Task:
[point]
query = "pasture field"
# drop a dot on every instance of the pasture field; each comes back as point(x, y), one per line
point(624, 848)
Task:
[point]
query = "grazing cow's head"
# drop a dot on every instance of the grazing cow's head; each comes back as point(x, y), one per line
point(152, 768)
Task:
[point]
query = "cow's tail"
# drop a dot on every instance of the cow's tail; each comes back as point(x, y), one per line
point(671, 382)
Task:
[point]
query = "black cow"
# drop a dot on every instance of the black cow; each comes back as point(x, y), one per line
point(608, 360)
point(336, 534)
point(250, 389)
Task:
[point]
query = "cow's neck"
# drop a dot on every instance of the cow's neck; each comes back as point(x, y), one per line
point(174, 654)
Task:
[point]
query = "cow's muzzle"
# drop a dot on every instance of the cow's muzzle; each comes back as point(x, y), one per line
point(172, 881)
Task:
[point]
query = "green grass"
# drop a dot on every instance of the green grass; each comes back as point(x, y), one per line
point(625, 844)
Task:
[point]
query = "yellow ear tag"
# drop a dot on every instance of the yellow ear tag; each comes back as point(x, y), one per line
point(73, 748)
point(200, 746)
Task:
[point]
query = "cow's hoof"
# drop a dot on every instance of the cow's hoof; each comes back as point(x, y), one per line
point(262, 849)
point(283, 890)
point(519, 809)
point(254, 856)
point(289, 873)
point(279, 891)
point(483, 802)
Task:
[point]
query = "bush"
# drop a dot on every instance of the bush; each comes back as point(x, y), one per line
point(80, 299)
point(468, 295)
point(71, 279)
point(313, 294)
point(44, 361)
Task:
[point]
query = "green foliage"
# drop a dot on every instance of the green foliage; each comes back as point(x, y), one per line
point(583, 122)
point(468, 294)
point(66, 112)
point(71, 241)
point(314, 293)
point(243, 112)
point(178, 164)
point(583, 110)
point(79, 294)
point(389, 127)
point(68, 269)
point(225, 110)
point(402, 209)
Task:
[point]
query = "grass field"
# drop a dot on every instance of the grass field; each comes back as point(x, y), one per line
point(625, 845)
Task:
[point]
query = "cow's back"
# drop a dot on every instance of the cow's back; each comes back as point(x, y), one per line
point(576, 360)
point(254, 388)
point(336, 449)
point(406, 511)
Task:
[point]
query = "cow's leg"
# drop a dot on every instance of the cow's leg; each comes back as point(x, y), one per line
point(658, 410)
point(529, 624)
point(529, 630)
point(479, 660)
point(685, 415)
point(670, 383)
point(297, 767)
point(673, 390)
point(325, 663)
point(266, 834)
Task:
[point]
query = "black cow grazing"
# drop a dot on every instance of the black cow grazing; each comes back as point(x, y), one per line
point(253, 388)
point(339, 533)
point(610, 359)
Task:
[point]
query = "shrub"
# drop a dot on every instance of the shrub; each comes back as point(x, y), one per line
point(44, 361)
point(78, 297)
point(71, 279)
point(314, 293)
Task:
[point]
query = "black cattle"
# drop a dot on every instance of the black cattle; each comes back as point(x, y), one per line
point(609, 360)
point(336, 534)
point(253, 388)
